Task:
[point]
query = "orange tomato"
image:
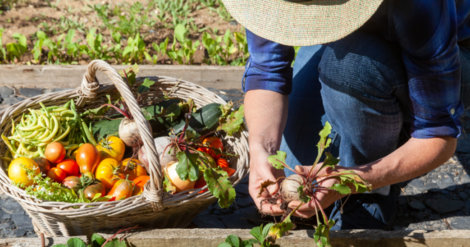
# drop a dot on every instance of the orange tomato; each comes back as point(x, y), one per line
point(122, 189)
point(139, 184)
point(229, 171)
point(108, 172)
point(221, 162)
point(133, 168)
point(70, 167)
point(55, 152)
point(87, 158)
point(56, 174)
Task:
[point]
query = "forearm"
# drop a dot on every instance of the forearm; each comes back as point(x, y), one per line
point(415, 158)
point(266, 114)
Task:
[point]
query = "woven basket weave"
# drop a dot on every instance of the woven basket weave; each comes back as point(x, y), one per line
point(154, 208)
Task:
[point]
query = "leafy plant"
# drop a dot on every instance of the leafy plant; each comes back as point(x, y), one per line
point(223, 12)
point(259, 233)
point(162, 48)
point(185, 54)
point(95, 241)
point(37, 49)
point(3, 52)
point(16, 50)
point(135, 50)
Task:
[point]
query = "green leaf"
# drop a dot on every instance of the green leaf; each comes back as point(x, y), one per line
point(106, 127)
point(97, 240)
point(330, 161)
point(249, 242)
point(116, 243)
point(146, 114)
point(131, 73)
point(145, 86)
point(116, 36)
point(279, 229)
point(76, 242)
point(233, 240)
point(233, 122)
point(278, 160)
point(324, 142)
point(69, 37)
point(168, 186)
point(260, 232)
point(322, 234)
point(172, 111)
point(180, 32)
point(303, 197)
point(61, 245)
point(351, 177)
point(225, 244)
point(187, 166)
point(41, 35)
point(220, 187)
point(341, 188)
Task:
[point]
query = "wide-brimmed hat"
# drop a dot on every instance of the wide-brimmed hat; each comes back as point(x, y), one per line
point(300, 22)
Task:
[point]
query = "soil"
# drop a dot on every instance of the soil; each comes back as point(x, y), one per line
point(27, 17)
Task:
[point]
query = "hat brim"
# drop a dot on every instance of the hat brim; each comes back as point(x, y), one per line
point(302, 24)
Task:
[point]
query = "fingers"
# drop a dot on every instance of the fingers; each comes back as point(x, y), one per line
point(305, 211)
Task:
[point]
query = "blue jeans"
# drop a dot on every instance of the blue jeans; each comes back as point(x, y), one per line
point(359, 85)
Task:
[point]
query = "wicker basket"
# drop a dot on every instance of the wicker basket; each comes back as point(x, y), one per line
point(153, 208)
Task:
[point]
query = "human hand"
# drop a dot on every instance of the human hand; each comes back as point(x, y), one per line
point(260, 171)
point(324, 197)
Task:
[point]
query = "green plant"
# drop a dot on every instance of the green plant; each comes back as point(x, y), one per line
point(3, 52)
point(135, 50)
point(162, 48)
point(223, 12)
point(243, 52)
point(95, 48)
point(185, 54)
point(96, 241)
point(259, 233)
point(16, 50)
point(37, 49)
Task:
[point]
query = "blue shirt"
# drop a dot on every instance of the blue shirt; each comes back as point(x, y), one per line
point(427, 32)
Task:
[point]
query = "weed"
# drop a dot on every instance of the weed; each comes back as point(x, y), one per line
point(16, 50)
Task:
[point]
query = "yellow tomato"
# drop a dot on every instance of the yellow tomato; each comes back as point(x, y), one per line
point(108, 172)
point(17, 170)
point(111, 147)
point(133, 168)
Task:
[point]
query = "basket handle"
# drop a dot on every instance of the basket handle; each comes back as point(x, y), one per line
point(90, 84)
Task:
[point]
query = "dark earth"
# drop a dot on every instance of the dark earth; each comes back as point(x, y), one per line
point(438, 200)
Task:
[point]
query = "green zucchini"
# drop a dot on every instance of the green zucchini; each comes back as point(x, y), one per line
point(203, 120)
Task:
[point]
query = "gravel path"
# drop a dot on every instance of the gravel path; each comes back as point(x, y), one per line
point(438, 200)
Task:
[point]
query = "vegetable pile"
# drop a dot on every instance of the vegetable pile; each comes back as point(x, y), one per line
point(53, 153)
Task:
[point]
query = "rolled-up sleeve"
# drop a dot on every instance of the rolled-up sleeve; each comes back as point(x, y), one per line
point(269, 65)
point(427, 34)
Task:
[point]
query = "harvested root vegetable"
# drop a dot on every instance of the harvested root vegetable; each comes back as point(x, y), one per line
point(129, 133)
point(289, 187)
point(165, 153)
point(175, 180)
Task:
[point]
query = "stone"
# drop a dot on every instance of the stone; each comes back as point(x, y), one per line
point(12, 101)
point(463, 195)
point(417, 184)
point(421, 215)
point(22, 221)
point(11, 206)
point(53, 90)
point(20, 232)
point(402, 200)
point(459, 223)
point(432, 187)
point(446, 183)
point(208, 221)
point(233, 23)
point(6, 91)
point(4, 226)
point(31, 92)
point(444, 205)
point(417, 205)
point(242, 188)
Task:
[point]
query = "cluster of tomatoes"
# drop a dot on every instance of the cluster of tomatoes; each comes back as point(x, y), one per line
point(212, 144)
point(92, 169)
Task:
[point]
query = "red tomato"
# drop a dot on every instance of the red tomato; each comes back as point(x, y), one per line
point(56, 174)
point(87, 158)
point(221, 162)
point(70, 167)
point(43, 164)
point(213, 142)
point(55, 152)
point(199, 184)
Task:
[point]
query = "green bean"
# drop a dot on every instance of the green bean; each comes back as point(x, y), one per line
point(54, 131)
point(67, 131)
point(88, 134)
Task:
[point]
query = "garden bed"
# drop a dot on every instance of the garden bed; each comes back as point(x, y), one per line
point(124, 32)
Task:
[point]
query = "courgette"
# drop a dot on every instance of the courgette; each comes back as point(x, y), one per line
point(203, 120)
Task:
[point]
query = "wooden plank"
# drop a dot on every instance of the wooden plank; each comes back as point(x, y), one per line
point(64, 76)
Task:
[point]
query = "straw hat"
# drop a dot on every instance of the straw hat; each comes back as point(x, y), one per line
point(301, 22)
